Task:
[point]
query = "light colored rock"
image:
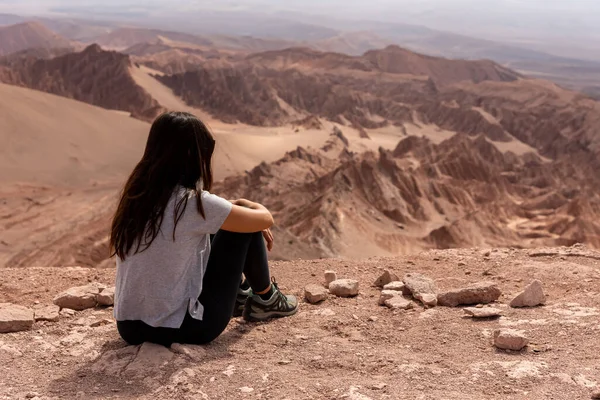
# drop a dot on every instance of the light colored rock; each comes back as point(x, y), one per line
point(386, 295)
point(422, 288)
point(101, 322)
point(106, 297)
point(344, 288)
point(67, 313)
point(398, 286)
point(532, 296)
point(48, 313)
point(15, 318)
point(386, 277)
point(428, 300)
point(149, 359)
point(246, 389)
point(315, 293)
point(510, 339)
point(79, 297)
point(330, 276)
point(479, 293)
point(354, 394)
point(399, 303)
point(113, 362)
point(193, 352)
point(487, 312)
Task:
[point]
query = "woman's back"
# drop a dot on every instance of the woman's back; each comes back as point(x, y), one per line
point(158, 285)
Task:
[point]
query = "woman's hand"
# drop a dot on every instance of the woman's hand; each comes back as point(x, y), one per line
point(268, 235)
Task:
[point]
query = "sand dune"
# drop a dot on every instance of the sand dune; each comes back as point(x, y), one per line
point(52, 140)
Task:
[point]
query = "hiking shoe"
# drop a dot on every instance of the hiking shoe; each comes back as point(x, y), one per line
point(279, 305)
point(240, 301)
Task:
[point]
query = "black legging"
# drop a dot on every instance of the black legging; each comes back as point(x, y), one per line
point(230, 255)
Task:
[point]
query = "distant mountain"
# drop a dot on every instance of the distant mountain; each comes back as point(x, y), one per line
point(368, 91)
point(28, 35)
point(94, 76)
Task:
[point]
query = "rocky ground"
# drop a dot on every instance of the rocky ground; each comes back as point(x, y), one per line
point(340, 348)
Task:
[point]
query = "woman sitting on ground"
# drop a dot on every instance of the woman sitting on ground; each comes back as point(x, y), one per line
point(181, 251)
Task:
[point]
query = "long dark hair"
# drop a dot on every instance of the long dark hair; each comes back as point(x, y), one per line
point(178, 154)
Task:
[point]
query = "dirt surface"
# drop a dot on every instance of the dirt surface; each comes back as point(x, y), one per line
point(341, 348)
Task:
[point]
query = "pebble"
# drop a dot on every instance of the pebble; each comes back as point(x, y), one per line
point(15, 318)
point(79, 297)
point(106, 297)
point(344, 288)
point(386, 295)
point(422, 288)
point(330, 276)
point(532, 296)
point(48, 313)
point(399, 303)
point(488, 312)
point(510, 339)
point(315, 293)
point(246, 389)
point(386, 277)
point(397, 286)
point(479, 293)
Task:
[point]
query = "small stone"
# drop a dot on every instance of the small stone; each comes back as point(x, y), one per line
point(532, 296)
point(149, 358)
point(15, 318)
point(397, 286)
point(79, 297)
point(428, 300)
point(480, 293)
point(510, 339)
point(284, 362)
point(488, 312)
point(193, 352)
point(422, 288)
point(399, 303)
point(344, 288)
point(372, 318)
point(48, 313)
point(461, 264)
point(330, 276)
point(378, 386)
point(386, 295)
point(67, 312)
point(386, 278)
point(101, 322)
point(106, 297)
point(315, 293)
point(246, 389)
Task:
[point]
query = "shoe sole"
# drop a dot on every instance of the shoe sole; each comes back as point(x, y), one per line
point(269, 315)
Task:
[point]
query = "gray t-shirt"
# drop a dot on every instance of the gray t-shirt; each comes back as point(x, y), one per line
point(158, 285)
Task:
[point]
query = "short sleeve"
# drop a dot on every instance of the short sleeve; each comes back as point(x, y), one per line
point(216, 209)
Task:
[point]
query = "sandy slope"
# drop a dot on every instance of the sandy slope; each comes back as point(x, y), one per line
point(241, 147)
point(56, 141)
point(340, 349)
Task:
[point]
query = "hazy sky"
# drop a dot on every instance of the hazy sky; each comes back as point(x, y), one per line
point(494, 19)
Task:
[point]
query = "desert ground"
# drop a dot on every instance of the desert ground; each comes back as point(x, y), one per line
point(342, 348)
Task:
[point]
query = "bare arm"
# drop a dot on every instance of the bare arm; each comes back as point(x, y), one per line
point(247, 217)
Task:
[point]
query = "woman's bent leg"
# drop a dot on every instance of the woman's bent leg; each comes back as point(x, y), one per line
point(231, 254)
